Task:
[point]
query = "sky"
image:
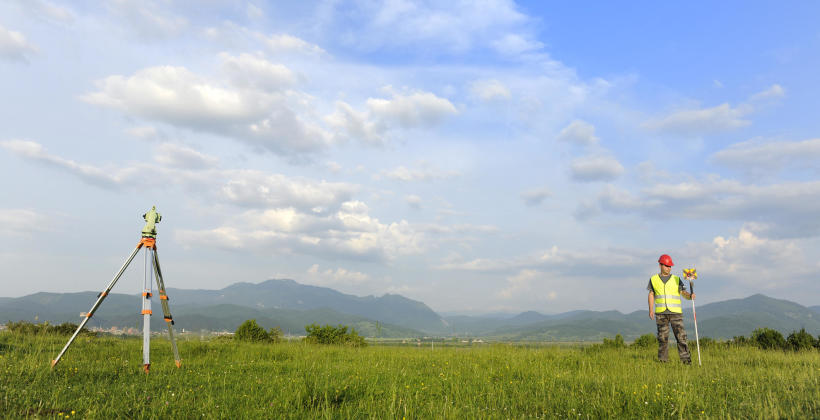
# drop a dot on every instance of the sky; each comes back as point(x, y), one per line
point(478, 156)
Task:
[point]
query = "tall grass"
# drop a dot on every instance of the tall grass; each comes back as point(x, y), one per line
point(101, 378)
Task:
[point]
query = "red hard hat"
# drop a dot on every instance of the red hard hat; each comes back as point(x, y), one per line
point(665, 260)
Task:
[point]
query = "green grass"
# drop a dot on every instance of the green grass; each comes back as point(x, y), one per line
point(102, 378)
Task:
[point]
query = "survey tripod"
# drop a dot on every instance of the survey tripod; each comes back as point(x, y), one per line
point(152, 272)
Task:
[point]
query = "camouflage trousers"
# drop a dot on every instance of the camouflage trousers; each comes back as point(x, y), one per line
point(663, 322)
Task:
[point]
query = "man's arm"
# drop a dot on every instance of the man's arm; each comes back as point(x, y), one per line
point(651, 300)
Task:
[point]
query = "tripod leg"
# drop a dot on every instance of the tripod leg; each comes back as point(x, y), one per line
point(146, 311)
point(166, 309)
point(96, 305)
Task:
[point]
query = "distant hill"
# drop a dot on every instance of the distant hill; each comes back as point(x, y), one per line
point(119, 310)
point(815, 308)
point(716, 320)
point(291, 306)
point(288, 294)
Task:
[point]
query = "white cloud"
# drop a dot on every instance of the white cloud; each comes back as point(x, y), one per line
point(254, 12)
point(335, 278)
point(181, 157)
point(350, 232)
point(178, 165)
point(249, 71)
point(774, 92)
point(21, 221)
point(248, 188)
point(35, 151)
point(761, 156)
point(47, 10)
point(714, 198)
point(413, 201)
point(284, 43)
point(425, 172)
point(147, 19)
point(14, 45)
point(515, 44)
point(420, 109)
point(536, 196)
point(174, 95)
point(520, 283)
point(595, 168)
point(450, 26)
point(579, 132)
point(563, 262)
point(696, 122)
point(490, 90)
point(144, 132)
point(415, 110)
point(747, 261)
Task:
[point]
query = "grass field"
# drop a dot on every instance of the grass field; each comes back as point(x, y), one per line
point(102, 378)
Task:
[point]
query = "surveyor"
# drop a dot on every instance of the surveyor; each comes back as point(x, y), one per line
point(665, 290)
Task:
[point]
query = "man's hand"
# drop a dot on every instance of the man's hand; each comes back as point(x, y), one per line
point(692, 297)
point(652, 315)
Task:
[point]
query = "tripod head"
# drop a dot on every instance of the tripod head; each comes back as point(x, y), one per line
point(151, 219)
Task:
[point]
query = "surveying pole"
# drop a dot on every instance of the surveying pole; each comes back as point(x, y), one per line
point(152, 273)
point(691, 274)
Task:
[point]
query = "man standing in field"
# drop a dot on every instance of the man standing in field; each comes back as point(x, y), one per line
point(665, 291)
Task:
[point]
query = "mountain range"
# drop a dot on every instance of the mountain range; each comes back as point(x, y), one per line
point(291, 306)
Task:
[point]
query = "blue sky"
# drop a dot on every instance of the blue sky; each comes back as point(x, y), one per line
point(477, 156)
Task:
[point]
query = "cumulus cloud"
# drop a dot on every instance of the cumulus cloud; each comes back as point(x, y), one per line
point(14, 45)
point(350, 232)
point(750, 261)
point(249, 188)
point(536, 196)
point(715, 198)
point(414, 110)
point(696, 122)
point(520, 283)
point(579, 132)
point(177, 96)
point(250, 71)
point(757, 156)
point(335, 278)
point(490, 90)
point(284, 43)
point(595, 168)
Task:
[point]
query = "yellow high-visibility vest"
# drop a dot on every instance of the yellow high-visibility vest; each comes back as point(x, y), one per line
point(667, 296)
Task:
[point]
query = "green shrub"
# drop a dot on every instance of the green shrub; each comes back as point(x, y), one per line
point(618, 342)
point(767, 338)
point(740, 340)
point(646, 341)
point(333, 335)
point(276, 335)
point(706, 342)
point(252, 332)
point(800, 340)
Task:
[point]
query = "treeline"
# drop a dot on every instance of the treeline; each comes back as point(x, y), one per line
point(250, 331)
point(45, 328)
point(764, 338)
